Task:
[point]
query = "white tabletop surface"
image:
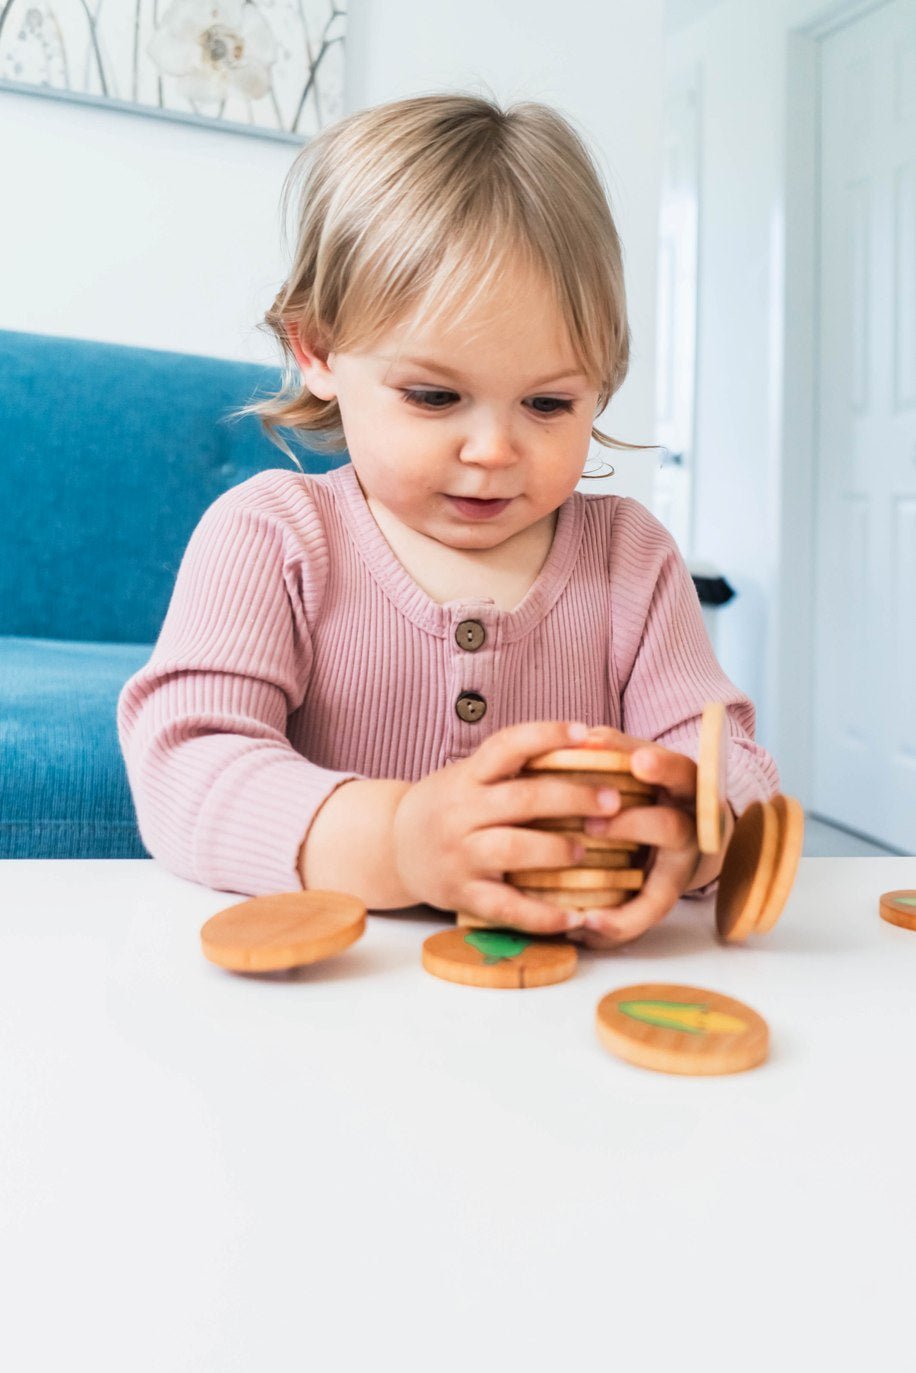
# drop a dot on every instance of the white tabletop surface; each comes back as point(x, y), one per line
point(360, 1166)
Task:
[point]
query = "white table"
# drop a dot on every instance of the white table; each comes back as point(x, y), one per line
point(363, 1167)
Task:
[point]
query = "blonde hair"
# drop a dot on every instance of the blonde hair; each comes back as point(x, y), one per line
point(413, 208)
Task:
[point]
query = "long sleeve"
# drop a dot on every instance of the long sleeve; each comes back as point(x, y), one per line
point(222, 797)
point(665, 664)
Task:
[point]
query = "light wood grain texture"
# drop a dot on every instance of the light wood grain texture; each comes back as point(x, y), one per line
point(579, 900)
point(678, 1029)
point(580, 760)
point(620, 781)
point(286, 930)
point(712, 778)
point(578, 879)
point(790, 817)
point(899, 908)
point(747, 871)
point(460, 955)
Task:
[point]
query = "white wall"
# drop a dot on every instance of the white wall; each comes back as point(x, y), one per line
point(741, 48)
point(143, 231)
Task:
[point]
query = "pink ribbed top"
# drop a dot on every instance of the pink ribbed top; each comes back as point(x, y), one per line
point(298, 653)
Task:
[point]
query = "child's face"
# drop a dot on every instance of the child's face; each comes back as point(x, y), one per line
point(498, 411)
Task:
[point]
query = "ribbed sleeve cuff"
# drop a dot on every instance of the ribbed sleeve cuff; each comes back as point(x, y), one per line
point(255, 819)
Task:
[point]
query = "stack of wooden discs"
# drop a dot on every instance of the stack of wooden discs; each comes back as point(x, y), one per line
point(759, 867)
point(612, 871)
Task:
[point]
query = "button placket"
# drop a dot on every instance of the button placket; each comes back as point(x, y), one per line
point(472, 677)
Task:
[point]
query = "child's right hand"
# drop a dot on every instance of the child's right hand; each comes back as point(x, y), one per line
point(456, 831)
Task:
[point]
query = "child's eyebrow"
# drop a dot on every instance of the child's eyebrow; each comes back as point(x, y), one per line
point(450, 371)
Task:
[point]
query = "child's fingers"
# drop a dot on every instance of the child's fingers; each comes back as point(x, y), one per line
point(503, 905)
point(509, 749)
point(523, 799)
point(675, 772)
point(664, 883)
point(499, 849)
point(661, 827)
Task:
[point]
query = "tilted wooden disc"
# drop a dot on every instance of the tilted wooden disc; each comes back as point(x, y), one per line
point(676, 1029)
point(498, 958)
point(899, 908)
point(790, 817)
point(286, 930)
point(712, 778)
point(747, 871)
point(580, 760)
point(578, 879)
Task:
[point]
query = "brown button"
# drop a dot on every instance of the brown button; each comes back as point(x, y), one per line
point(470, 634)
point(471, 707)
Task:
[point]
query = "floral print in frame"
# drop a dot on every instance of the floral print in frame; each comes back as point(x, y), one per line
point(272, 67)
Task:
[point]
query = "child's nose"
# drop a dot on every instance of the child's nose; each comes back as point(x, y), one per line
point(491, 445)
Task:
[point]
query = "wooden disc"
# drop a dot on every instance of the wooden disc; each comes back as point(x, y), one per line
point(899, 908)
point(573, 825)
point(747, 871)
point(608, 858)
point(498, 958)
point(578, 900)
point(674, 1029)
point(621, 781)
point(711, 778)
point(791, 820)
point(580, 760)
point(578, 879)
point(286, 930)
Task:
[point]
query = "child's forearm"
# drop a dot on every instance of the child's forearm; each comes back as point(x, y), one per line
point(350, 845)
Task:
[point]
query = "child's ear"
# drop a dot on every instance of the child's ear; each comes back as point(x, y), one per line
point(313, 364)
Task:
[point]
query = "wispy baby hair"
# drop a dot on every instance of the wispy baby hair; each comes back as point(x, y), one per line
point(411, 209)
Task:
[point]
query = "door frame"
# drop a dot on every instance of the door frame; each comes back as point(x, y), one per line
point(792, 683)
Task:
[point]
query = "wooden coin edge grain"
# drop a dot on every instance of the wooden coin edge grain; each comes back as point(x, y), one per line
point(747, 871)
point(668, 1050)
point(712, 778)
point(448, 956)
point(580, 760)
point(283, 930)
point(578, 879)
point(791, 821)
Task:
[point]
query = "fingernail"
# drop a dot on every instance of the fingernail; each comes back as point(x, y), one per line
point(578, 852)
point(595, 826)
point(608, 799)
point(578, 732)
point(573, 919)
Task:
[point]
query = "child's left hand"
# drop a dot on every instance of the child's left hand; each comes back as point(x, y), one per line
point(669, 827)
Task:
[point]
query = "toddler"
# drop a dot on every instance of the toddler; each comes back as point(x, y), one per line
point(356, 665)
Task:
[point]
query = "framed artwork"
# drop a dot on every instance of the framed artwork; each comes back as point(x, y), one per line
point(273, 68)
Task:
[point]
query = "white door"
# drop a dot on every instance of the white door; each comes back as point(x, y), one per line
point(865, 525)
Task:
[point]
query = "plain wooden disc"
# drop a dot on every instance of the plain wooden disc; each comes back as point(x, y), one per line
point(498, 958)
point(579, 900)
point(286, 930)
point(747, 871)
point(674, 1029)
point(791, 820)
point(899, 908)
point(712, 778)
point(578, 879)
point(607, 858)
point(580, 760)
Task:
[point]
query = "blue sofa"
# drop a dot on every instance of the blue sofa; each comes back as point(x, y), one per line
point(109, 455)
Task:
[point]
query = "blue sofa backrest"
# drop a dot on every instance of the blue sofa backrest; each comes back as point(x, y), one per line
point(109, 456)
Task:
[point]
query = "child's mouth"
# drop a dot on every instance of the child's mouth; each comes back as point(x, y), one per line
point(473, 509)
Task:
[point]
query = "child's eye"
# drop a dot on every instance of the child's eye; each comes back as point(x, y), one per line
point(438, 400)
point(427, 399)
point(563, 406)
